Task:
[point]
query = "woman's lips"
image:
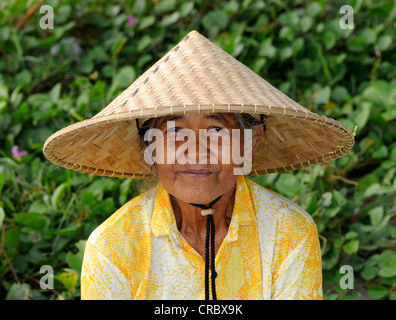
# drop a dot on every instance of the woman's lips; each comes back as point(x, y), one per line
point(197, 173)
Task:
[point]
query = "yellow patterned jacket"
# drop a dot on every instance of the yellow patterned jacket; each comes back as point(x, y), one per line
point(271, 251)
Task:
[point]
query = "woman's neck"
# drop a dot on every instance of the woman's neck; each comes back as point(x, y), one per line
point(192, 224)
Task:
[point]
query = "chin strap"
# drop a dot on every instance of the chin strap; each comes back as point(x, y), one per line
point(208, 211)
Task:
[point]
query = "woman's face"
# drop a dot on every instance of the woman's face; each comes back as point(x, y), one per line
point(184, 173)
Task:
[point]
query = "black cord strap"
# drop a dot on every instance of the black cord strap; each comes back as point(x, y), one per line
point(210, 237)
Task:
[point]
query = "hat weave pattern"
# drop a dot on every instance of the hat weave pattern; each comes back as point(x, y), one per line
point(198, 76)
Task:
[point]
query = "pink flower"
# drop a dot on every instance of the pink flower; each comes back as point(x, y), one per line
point(131, 21)
point(16, 153)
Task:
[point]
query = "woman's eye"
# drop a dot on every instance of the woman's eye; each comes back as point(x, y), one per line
point(174, 129)
point(217, 129)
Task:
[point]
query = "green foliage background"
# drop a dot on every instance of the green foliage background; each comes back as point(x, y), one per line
point(52, 78)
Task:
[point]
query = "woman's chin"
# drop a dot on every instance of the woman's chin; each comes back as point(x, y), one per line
point(201, 195)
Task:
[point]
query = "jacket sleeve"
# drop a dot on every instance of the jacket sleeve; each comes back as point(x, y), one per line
point(298, 265)
point(101, 279)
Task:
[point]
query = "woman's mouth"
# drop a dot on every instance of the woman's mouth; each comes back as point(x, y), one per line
point(197, 173)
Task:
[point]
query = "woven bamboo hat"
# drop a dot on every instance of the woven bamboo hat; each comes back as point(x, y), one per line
point(198, 76)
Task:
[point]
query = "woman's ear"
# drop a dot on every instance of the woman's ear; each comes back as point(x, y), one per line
point(258, 134)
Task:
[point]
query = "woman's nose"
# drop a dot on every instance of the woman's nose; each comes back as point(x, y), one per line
point(202, 148)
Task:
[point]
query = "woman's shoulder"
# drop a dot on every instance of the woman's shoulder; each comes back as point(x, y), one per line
point(132, 217)
point(272, 205)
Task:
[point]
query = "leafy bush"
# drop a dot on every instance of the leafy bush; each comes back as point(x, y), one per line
point(51, 78)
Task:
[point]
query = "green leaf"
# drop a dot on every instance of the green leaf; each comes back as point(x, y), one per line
point(377, 189)
point(322, 95)
point(2, 215)
point(289, 18)
point(373, 260)
point(164, 6)
point(143, 43)
point(35, 256)
point(381, 152)
point(305, 23)
point(366, 181)
point(231, 7)
point(362, 115)
point(139, 7)
point(3, 91)
point(24, 78)
point(381, 93)
point(124, 190)
point(388, 269)
point(18, 291)
point(285, 53)
point(186, 8)
point(351, 246)
point(339, 198)
point(125, 77)
point(261, 22)
point(368, 35)
point(332, 212)
point(38, 99)
point(68, 279)
point(117, 47)
point(384, 42)
point(68, 232)
point(5, 32)
point(327, 198)
point(266, 48)
point(288, 184)
point(170, 19)
point(216, 18)
point(312, 204)
point(55, 92)
point(331, 259)
point(307, 68)
point(58, 193)
point(3, 179)
point(298, 45)
point(62, 13)
point(369, 272)
point(104, 207)
point(338, 242)
point(339, 93)
point(38, 207)
point(351, 235)
point(385, 256)
point(20, 263)
point(377, 292)
point(32, 220)
point(314, 9)
point(12, 237)
point(75, 260)
point(146, 22)
point(376, 215)
point(329, 39)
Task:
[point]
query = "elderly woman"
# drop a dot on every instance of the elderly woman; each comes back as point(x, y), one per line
point(205, 230)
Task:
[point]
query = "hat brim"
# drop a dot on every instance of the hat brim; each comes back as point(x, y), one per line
point(110, 145)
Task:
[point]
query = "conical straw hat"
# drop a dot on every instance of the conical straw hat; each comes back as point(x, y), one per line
point(198, 76)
